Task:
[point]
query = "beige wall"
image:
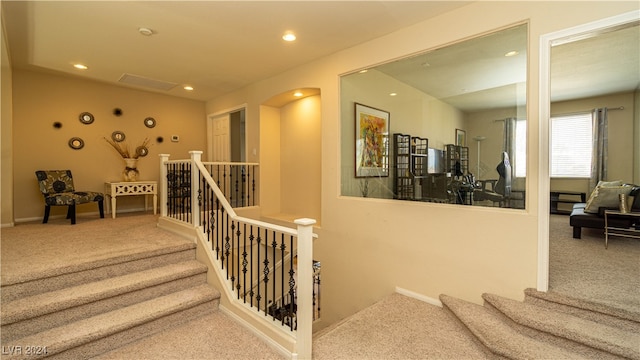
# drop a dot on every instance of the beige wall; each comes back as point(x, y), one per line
point(369, 246)
point(41, 99)
point(419, 114)
point(621, 137)
point(300, 158)
point(6, 130)
point(290, 153)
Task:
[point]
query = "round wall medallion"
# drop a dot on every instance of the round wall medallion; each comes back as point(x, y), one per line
point(86, 118)
point(76, 143)
point(142, 151)
point(117, 136)
point(150, 122)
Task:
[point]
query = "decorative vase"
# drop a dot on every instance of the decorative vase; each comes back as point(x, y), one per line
point(130, 172)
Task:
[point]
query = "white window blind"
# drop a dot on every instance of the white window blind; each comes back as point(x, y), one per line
point(571, 146)
point(521, 149)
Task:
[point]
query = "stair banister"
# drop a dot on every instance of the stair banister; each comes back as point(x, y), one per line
point(163, 184)
point(304, 311)
point(196, 158)
point(303, 233)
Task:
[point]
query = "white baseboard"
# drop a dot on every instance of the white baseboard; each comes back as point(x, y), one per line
point(274, 345)
point(82, 214)
point(415, 295)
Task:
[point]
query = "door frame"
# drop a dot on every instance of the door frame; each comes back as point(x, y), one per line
point(210, 118)
point(544, 180)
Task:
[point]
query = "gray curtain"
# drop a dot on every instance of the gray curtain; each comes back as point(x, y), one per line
point(600, 145)
point(509, 140)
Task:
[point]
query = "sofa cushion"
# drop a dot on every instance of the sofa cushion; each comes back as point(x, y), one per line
point(606, 197)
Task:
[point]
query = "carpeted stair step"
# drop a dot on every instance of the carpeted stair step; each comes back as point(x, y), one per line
point(599, 312)
point(500, 338)
point(15, 287)
point(44, 311)
point(585, 332)
point(101, 333)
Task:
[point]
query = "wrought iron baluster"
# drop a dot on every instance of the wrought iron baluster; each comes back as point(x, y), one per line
point(274, 246)
point(244, 264)
point(232, 267)
point(266, 271)
point(292, 283)
point(282, 257)
point(251, 239)
point(258, 240)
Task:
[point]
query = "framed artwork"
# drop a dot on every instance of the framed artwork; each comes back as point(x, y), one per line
point(372, 141)
point(461, 137)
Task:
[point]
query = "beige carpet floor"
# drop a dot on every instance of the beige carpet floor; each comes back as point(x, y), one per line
point(32, 248)
point(584, 269)
point(395, 328)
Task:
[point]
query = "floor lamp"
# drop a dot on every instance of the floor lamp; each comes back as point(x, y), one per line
point(479, 139)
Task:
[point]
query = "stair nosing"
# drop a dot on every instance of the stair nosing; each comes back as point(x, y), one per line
point(90, 329)
point(7, 280)
point(506, 350)
point(609, 338)
point(63, 299)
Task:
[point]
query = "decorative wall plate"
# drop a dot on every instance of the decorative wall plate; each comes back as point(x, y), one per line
point(86, 118)
point(76, 143)
point(150, 122)
point(117, 136)
point(142, 151)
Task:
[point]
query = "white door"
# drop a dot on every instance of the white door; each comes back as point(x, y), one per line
point(220, 146)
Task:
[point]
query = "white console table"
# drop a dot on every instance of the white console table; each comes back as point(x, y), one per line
point(128, 188)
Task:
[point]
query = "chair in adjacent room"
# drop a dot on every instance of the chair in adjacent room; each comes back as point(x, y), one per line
point(498, 191)
point(57, 188)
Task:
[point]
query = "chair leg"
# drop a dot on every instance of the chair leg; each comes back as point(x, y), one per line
point(72, 214)
point(47, 209)
point(101, 208)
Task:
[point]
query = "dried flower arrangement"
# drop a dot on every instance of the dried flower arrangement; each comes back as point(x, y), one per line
point(123, 149)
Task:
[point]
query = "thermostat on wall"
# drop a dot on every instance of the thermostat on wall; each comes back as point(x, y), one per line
point(175, 138)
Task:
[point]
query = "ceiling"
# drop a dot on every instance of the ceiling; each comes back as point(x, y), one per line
point(474, 75)
point(215, 46)
point(221, 46)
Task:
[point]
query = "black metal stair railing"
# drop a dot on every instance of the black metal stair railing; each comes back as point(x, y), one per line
point(258, 260)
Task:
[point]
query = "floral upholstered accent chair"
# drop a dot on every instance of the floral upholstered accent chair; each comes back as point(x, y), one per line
point(57, 188)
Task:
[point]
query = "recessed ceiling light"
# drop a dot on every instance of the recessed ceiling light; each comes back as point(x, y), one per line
point(188, 88)
point(80, 66)
point(363, 71)
point(511, 53)
point(289, 36)
point(393, 94)
point(297, 94)
point(145, 31)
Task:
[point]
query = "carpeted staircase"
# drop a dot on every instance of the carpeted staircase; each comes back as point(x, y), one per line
point(88, 309)
point(549, 326)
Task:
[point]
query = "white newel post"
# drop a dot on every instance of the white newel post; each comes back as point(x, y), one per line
point(305, 287)
point(196, 157)
point(163, 184)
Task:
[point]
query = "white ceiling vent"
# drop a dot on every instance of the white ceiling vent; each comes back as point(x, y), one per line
point(146, 82)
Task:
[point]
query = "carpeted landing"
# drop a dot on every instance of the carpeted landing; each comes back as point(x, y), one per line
point(124, 289)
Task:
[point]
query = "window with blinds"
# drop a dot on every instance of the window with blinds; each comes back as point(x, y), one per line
point(571, 146)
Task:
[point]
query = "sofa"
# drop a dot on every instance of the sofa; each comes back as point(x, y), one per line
point(582, 217)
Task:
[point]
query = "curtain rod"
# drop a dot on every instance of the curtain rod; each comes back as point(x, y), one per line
point(585, 111)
